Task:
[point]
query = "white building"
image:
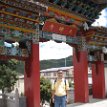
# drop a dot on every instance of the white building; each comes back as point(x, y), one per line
point(52, 74)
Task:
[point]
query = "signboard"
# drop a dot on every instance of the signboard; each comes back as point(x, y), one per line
point(59, 37)
point(59, 28)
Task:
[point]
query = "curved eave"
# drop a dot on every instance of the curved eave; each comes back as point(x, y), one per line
point(100, 1)
point(102, 30)
point(62, 11)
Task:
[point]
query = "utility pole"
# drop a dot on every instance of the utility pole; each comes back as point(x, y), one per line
point(65, 62)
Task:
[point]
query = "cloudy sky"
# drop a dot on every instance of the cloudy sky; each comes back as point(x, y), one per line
point(53, 50)
point(102, 21)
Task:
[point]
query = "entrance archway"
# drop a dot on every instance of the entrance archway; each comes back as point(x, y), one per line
point(32, 22)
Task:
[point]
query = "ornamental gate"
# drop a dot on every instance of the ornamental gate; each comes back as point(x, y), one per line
point(25, 23)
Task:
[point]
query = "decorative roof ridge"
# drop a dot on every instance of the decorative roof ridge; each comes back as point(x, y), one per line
point(99, 29)
point(99, 1)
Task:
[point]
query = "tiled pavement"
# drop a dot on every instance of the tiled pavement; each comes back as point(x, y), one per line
point(92, 103)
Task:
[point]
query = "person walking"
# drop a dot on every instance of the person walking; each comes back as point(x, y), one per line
point(60, 89)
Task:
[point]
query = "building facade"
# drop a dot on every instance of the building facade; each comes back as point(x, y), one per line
point(51, 73)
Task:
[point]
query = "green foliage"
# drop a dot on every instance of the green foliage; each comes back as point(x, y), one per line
point(70, 84)
point(45, 64)
point(22, 94)
point(20, 67)
point(8, 76)
point(45, 89)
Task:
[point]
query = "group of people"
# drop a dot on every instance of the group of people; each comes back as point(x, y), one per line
point(60, 89)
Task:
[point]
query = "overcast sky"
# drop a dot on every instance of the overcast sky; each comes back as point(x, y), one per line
point(53, 50)
point(102, 21)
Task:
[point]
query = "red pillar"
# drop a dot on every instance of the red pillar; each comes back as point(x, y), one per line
point(32, 78)
point(98, 79)
point(80, 63)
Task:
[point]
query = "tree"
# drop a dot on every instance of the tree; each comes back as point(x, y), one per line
point(45, 90)
point(8, 76)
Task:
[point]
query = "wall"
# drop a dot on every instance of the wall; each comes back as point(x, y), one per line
point(13, 100)
point(1, 103)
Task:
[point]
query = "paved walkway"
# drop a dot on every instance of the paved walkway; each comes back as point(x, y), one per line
point(92, 103)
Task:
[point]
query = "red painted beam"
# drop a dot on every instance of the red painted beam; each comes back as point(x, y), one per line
point(7, 57)
point(58, 28)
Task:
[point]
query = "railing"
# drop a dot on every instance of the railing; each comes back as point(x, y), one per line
point(1, 101)
point(12, 100)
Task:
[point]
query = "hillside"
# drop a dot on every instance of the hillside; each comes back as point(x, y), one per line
point(54, 63)
point(45, 64)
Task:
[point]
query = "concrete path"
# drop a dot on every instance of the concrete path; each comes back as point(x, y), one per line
point(92, 103)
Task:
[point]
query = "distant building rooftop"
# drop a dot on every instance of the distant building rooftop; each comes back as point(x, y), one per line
point(56, 69)
point(21, 76)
